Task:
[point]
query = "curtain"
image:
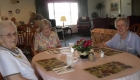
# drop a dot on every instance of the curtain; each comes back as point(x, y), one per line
point(82, 7)
point(42, 8)
point(61, 1)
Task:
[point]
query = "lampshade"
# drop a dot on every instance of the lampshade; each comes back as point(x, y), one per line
point(63, 18)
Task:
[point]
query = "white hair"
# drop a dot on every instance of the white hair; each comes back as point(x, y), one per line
point(122, 19)
point(4, 24)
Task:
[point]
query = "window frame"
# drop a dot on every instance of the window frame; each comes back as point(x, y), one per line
point(69, 21)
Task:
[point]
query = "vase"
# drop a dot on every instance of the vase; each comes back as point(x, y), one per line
point(83, 55)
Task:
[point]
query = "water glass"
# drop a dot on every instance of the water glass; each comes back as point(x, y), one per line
point(69, 59)
point(70, 46)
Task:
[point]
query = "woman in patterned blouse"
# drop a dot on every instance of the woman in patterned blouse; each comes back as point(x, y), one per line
point(46, 38)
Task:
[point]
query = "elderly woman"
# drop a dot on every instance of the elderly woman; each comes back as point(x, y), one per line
point(13, 64)
point(46, 38)
point(124, 40)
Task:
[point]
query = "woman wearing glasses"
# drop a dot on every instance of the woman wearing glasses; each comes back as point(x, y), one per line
point(47, 38)
point(13, 64)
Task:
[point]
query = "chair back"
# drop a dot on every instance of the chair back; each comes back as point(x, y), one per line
point(83, 21)
point(1, 77)
point(53, 22)
point(26, 37)
point(84, 25)
point(22, 22)
point(135, 28)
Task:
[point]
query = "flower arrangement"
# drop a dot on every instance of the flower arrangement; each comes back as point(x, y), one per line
point(83, 46)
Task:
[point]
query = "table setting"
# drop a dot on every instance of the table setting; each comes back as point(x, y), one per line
point(101, 63)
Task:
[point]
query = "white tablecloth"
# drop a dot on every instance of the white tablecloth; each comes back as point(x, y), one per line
point(80, 74)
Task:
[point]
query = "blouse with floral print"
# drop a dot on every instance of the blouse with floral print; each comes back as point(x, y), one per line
point(42, 43)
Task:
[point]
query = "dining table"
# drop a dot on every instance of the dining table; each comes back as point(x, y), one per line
point(80, 65)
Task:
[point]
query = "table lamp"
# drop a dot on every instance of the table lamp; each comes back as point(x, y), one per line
point(63, 18)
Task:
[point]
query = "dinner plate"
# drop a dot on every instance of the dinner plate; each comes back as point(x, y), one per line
point(63, 48)
point(64, 51)
point(53, 51)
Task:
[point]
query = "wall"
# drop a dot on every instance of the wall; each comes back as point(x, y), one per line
point(126, 8)
point(91, 6)
point(29, 5)
point(135, 7)
point(25, 6)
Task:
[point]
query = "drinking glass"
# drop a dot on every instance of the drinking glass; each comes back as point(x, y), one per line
point(70, 46)
point(69, 59)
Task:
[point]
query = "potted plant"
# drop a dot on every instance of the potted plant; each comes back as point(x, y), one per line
point(99, 7)
point(83, 47)
point(94, 15)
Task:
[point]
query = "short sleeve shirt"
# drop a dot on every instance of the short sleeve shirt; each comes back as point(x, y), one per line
point(42, 43)
point(131, 44)
point(10, 64)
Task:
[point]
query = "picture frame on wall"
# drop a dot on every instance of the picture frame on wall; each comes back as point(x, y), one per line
point(115, 6)
point(10, 13)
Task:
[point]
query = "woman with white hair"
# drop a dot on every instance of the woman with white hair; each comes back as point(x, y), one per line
point(124, 40)
point(46, 38)
point(13, 64)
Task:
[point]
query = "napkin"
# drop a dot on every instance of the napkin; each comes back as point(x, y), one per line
point(62, 70)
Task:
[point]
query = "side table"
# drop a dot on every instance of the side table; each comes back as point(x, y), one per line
point(65, 29)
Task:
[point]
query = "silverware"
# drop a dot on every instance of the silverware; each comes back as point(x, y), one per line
point(63, 69)
point(59, 69)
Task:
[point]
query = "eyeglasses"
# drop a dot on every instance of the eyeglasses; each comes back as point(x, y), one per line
point(9, 35)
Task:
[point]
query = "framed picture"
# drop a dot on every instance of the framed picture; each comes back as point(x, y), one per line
point(17, 11)
point(10, 13)
point(115, 6)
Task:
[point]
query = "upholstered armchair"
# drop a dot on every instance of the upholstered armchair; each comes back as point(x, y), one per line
point(83, 25)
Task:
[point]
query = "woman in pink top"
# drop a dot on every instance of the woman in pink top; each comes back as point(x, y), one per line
point(46, 38)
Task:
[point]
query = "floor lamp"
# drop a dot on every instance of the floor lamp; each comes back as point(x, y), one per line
point(63, 18)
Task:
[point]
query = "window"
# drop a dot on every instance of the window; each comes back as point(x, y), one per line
point(69, 10)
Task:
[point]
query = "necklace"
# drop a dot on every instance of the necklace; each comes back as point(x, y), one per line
point(15, 54)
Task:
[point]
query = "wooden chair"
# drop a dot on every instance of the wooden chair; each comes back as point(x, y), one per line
point(1, 77)
point(36, 30)
point(135, 28)
point(25, 39)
